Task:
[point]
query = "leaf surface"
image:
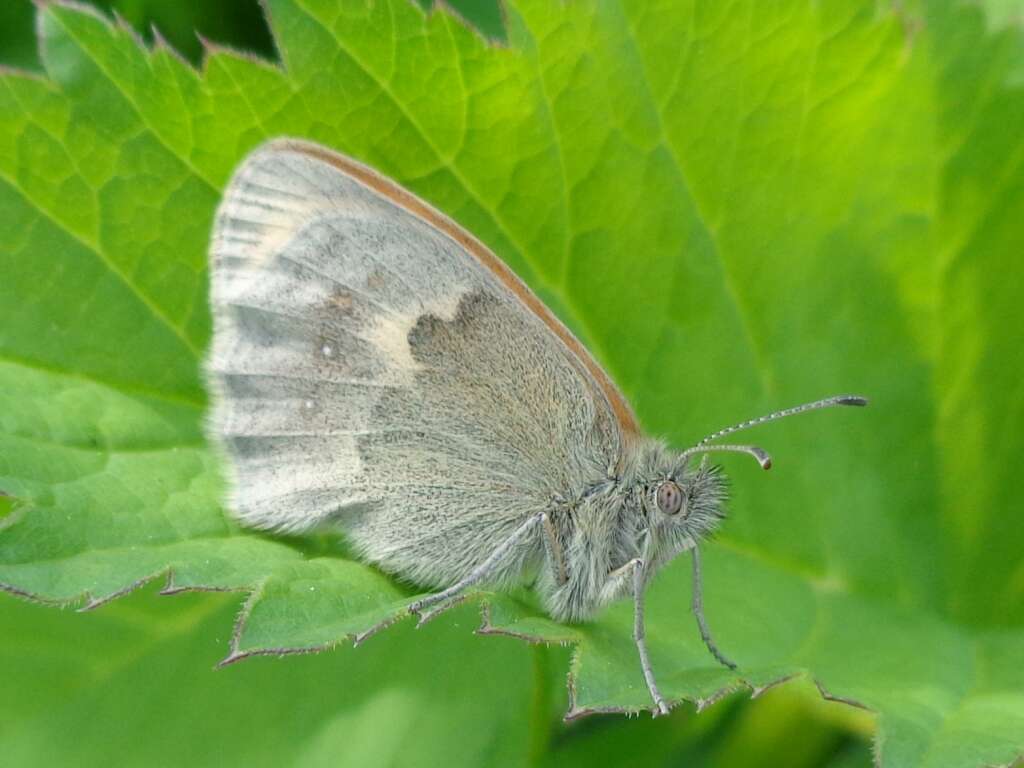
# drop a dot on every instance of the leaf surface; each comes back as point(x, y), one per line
point(736, 206)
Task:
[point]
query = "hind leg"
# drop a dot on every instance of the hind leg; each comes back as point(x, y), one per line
point(430, 606)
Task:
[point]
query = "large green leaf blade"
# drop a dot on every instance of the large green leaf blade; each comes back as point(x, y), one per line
point(736, 206)
point(132, 685)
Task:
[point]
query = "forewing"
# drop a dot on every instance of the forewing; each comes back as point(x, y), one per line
point(373, 365)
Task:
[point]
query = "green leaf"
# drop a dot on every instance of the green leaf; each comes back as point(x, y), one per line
point(737, 206)
point(138, 673)
point(133, 684)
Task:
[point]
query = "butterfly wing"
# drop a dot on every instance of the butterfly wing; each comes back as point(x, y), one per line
point(375, 367)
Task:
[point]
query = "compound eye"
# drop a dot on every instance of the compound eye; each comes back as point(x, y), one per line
point(669, 497)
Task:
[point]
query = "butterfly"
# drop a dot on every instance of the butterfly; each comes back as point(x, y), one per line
point(375, 369)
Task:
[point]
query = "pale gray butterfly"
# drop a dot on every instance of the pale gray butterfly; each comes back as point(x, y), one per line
point(376, 369)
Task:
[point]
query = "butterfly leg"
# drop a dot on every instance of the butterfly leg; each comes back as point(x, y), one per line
point(640, 636)
point(438, 609)
point(618, 581)
point(555, 551)
point(453, 595)
point(698, 611)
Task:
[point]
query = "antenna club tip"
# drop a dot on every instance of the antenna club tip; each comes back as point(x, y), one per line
point(762, 457)
point(852, 400)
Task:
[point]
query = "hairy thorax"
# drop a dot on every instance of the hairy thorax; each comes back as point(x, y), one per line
point(589, 533)
point(596, 536)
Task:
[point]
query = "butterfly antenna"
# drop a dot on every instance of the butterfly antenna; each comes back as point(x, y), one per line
point(828, 402)
point(762, 457)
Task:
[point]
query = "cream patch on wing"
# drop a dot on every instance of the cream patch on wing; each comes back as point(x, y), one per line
point(390, 335)
point(254, 231)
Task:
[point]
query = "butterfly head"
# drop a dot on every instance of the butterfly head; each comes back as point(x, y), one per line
point(685, 506)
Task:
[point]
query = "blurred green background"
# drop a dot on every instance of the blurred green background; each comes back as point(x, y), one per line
point(239, 24)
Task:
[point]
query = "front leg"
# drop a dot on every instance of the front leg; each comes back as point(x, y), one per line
point(640, 638)
point(555, 551)
point(617, 581)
